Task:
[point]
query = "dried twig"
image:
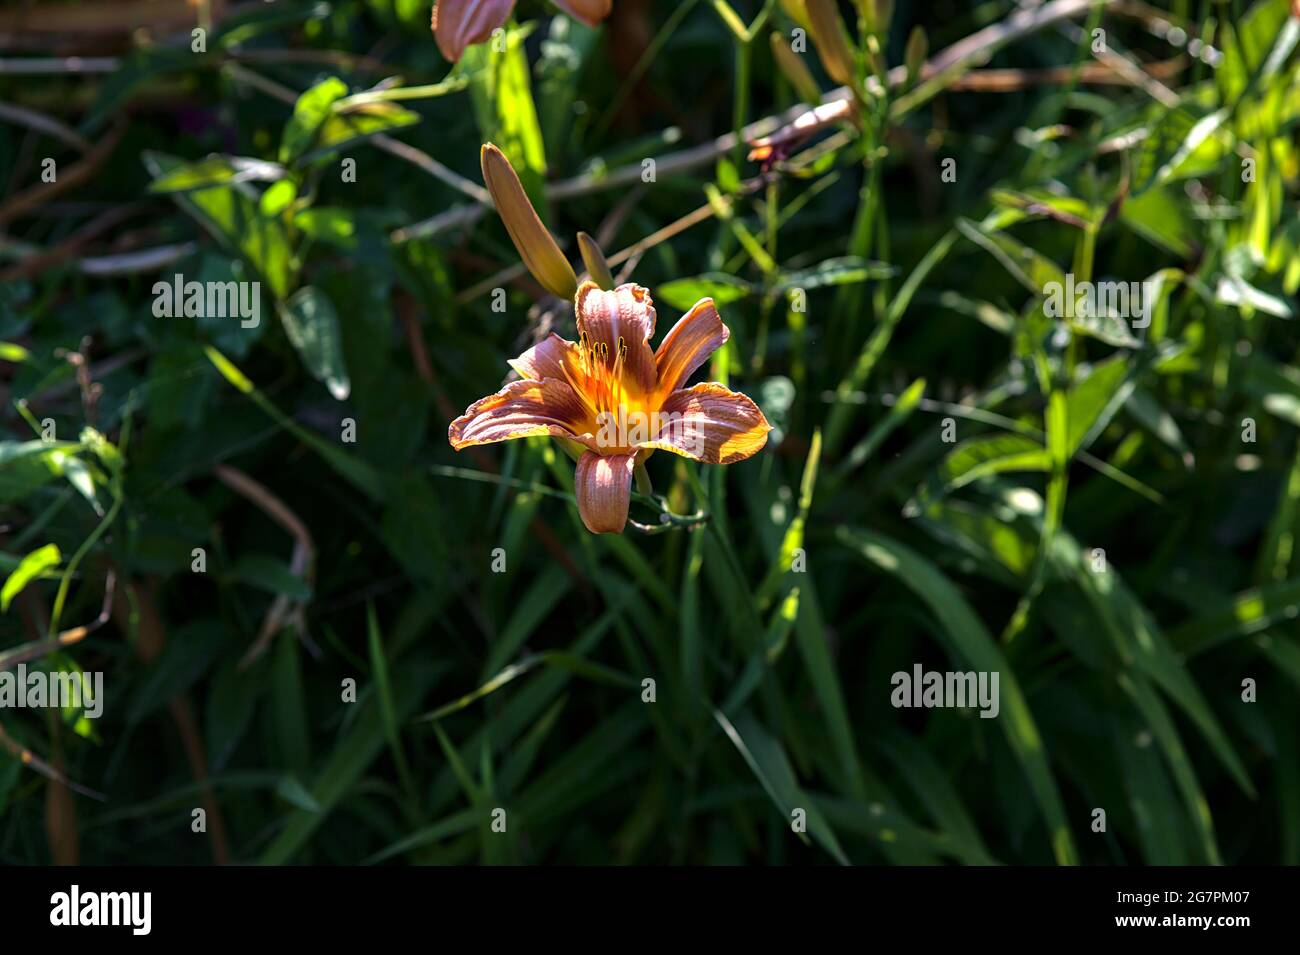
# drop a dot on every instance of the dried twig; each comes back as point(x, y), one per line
point(44, 124)
point(301, 563)
point(37, 263)
point(76, 174)
point(39, 648)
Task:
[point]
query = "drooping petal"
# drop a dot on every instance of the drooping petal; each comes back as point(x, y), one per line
point(696, 336)
point(458, 24)
point(603, 487)
point(520, 410)
point(590, 12)
point(712, 424)
point(550, 358)
point(626, 313)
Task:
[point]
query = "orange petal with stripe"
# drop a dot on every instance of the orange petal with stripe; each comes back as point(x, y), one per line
point(712, 424)
point(696, 336)
point(553, 357)
point(523, 409)
point(603, 487)
point(626, 313)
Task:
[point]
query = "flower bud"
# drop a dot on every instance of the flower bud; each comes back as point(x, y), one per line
point(458, 24)
point(795, 70)
point(830, 39)
point(796, 11)
point(917, 48)
point(536, 245)
point(590, 12)
point(594, 259)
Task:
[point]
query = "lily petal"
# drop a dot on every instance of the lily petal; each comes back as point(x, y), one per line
point(627, 313)
point(550, 358)
point(458, 24)
point(712, 424)
point(520, 410)
point(603, 486)
point(590, 12)
point(696, 336)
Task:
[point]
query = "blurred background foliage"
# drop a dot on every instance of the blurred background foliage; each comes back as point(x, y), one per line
point(1103, 514)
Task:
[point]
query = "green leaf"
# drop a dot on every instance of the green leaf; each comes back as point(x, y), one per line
point(1162, 726)
point(502, 96)
point(530, 610)
point(348, 760)
point(384, 688)
point(1181, 145)
point(792, 542)
point(1236, 291)
point(1248, 43)
point(33, 566)
point(190, 650)
point(724, 289)
point(335, 226)
point(936, 791)
point(289, 704)
point(1248, 612)
point(313, 328)
point(842, 271)
point(1141, 643)
point(1026, 265)
point(769, 763)
point(358, 473)
point(1162, 217)
point(1151, 799)
point(231, 699)
point(976, 646)
point(234, 218)
point(325, 119)
point(980, 458)
point(292, 791)
point(309, 114)
point(216, 170)
point(899, 412)
point(1094, 401)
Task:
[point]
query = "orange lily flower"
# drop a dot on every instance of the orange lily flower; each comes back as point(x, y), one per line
point(614, 398)
point(458, 24)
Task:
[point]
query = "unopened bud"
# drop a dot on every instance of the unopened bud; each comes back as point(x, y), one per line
point(594, 259)
point(795, 70)
point(917, 47)
point(458, 25)
point(796, 11)
point(832, 43)
point(590, 12)
point(877, 14)
point(536, 245)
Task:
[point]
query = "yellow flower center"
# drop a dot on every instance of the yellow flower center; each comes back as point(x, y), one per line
point(618, 413)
